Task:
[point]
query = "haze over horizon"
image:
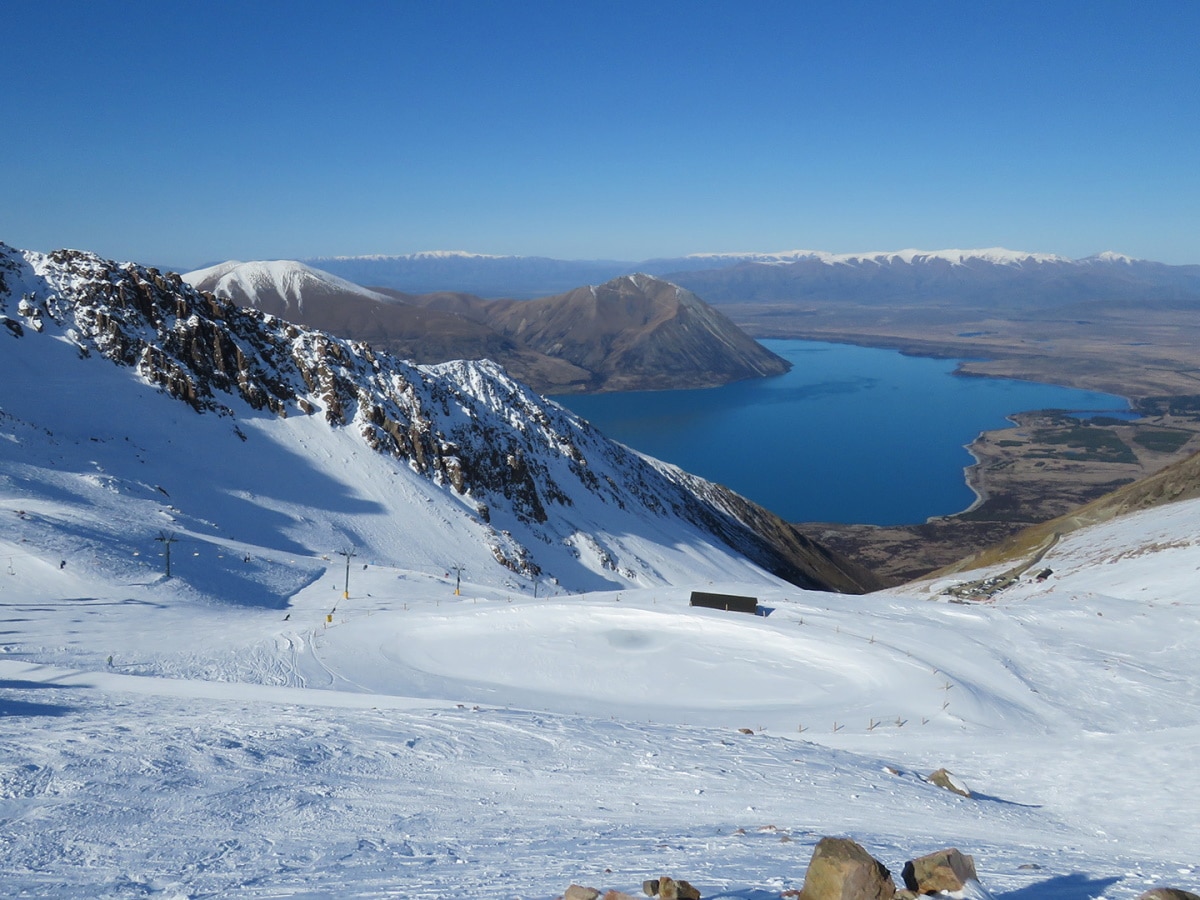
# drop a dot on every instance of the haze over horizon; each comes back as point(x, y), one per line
point(180, 135)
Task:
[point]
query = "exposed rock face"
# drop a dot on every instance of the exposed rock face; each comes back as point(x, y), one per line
point(577, 892)
point(637, 333)
point(467, 427)
point(1168, 894)
point(946, 870)
point(841, 869)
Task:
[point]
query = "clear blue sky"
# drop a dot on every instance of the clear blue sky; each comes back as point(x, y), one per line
point(186, 133)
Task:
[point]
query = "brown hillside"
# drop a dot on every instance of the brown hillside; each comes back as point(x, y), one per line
point(1179, 481)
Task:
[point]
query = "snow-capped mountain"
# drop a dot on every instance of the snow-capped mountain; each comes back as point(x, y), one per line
point(996, 255)
point(731, 277)
point(994, 276)
point(274, 286)
point(316, 444)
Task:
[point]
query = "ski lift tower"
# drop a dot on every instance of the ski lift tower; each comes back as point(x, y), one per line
point(349, 554)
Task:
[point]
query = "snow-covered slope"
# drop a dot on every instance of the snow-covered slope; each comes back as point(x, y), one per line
point(410, 742)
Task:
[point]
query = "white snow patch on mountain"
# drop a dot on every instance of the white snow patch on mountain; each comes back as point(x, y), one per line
point(422, 255)
point(248, 282)
point(1110, 256)
point(995, 255)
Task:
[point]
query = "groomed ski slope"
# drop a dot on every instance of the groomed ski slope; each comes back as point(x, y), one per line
point(410, 742)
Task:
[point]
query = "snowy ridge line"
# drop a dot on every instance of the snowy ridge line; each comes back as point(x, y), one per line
point(996, 255)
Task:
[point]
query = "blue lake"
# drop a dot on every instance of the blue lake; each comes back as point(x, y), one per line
point(851, 434)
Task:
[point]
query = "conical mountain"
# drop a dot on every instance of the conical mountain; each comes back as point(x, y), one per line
point(636, 332)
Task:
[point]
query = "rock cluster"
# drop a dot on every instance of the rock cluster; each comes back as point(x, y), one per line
point(840, 869)
point(664, 888)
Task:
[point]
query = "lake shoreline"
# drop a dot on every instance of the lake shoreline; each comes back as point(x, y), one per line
point(850, 434)
point(1023, 475)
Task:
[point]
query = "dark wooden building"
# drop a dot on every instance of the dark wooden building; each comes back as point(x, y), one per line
point(727, 602)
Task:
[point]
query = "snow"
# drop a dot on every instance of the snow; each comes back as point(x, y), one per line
point(994, 255)
point(491, 744)
point(259, 735)
point(1110, 256)
point(424, 254)
point(251, 281)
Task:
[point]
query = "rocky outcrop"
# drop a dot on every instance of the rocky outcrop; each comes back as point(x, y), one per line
point(1168, 894)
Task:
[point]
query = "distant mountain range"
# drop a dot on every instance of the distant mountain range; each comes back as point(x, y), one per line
point(1007, 280)
point(986, 276)
point(634, 332)
point(123, 388)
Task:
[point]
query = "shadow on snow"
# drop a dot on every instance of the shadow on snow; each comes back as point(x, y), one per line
point(1075, 886)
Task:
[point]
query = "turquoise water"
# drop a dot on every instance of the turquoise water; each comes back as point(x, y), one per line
point(851, 434)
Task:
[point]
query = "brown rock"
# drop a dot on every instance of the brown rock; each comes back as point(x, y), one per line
point(1168, 894)
point(841, 869)
point(618, 895)
point(945, 779)
point(686, 891)
point(946, 870)
point(667, 888)
point(650, 887)
point(577, 892)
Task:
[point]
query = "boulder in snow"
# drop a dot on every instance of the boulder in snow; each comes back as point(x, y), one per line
point(948, 780)
point(946, 870)
point(841, 869)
